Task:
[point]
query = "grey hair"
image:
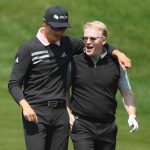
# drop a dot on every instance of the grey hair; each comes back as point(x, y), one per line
point(98, 25)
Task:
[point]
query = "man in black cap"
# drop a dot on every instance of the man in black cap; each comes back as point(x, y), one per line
point(40, 68)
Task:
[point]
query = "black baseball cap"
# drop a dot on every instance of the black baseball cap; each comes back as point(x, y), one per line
point(57, 17)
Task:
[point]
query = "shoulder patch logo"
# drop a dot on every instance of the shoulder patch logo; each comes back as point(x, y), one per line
point(17, 60)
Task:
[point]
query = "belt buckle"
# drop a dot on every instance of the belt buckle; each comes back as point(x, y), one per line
point(52, 104)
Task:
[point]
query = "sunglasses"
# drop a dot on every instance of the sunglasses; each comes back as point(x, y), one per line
point(58, 29)
point(92, 39)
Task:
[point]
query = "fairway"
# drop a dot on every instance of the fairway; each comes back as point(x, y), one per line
point(128, 30)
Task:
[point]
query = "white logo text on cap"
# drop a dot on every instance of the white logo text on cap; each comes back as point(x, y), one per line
point(61, 17)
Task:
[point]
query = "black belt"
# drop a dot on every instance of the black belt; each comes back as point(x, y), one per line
point(96, 120)
point(53, 104)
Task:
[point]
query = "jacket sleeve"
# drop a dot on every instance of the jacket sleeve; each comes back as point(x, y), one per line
point(17, 77)
point(109, 48)
point(77, 46)
point(124, 83)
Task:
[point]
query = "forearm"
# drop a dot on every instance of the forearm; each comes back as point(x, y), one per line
point(69, 110)
point(116, 53)
point(129, 102)
point(24, 104)
point(131, 110)
point(15, 90)
point(123, 60)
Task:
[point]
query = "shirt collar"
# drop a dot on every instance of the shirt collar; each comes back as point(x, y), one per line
point(42, 39)
point(101, 56)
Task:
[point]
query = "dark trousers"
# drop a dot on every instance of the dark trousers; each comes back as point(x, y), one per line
point(88, 135)
point(51, 132)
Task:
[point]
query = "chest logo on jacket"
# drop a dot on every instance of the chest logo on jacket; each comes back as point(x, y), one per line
point(39, 56)
point(63, 55)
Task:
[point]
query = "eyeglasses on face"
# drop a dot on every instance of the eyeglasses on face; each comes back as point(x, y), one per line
point(58, 29)
point(92, 39)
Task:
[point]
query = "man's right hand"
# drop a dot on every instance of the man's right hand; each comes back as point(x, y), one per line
point(28, 112)
point(71, 117)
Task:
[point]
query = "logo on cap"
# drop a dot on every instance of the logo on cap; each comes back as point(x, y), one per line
point(55, 16)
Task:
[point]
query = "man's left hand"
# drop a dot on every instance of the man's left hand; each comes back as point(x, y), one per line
point(133, 123)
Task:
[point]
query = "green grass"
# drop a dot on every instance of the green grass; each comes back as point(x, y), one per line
point(128, 25)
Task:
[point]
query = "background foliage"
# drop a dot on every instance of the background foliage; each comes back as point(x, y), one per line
point(128, 25)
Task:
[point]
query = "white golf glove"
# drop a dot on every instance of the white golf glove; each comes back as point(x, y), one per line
point(133, 123)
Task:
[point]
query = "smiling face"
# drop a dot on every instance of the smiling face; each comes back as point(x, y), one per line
point(93, 40)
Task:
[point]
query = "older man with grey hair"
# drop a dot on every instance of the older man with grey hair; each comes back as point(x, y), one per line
point(95, 78)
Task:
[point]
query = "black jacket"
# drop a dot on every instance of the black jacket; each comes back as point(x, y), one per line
point(94, 87)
